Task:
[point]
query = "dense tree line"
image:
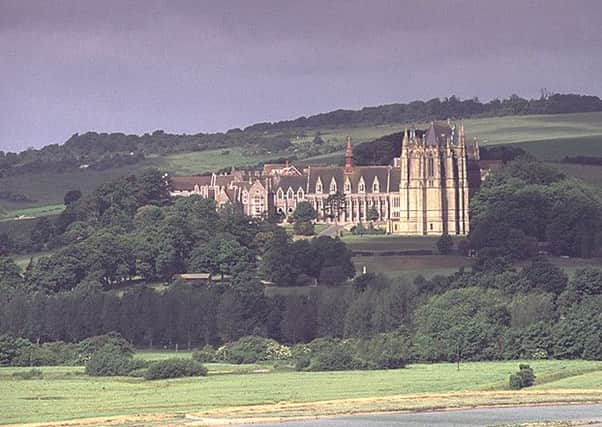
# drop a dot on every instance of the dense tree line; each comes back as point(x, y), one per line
point(105, 150)
point(383, 150)
point(526, 203)
point(485, 315)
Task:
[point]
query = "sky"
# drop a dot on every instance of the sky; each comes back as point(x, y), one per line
point(70, 66)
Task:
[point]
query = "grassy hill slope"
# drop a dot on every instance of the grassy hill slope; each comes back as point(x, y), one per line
point(548, 137)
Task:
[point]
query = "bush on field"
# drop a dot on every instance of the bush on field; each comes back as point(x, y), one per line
point(252, 349)
point(384, 351)
point(523, 378)
point(47, 354)
point(204, 355)
point(11, 347)
point(110, 360)
point(91, 345)
point(175, 368)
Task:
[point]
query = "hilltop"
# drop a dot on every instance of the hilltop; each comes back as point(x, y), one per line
point(550, 128)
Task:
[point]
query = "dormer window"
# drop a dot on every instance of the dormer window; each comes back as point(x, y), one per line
point(290, 194)
point(347, 187)
point(319, 186)
point(300, 194)
point(375, 186)
point(361, 186)
point(333, 186)
point(280, 194)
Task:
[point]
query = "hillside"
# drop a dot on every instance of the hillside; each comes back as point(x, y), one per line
point(548, 137)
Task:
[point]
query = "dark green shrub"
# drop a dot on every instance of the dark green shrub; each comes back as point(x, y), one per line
point(336, 358)
point(10, 347)
point(204, 355)
point(445, 244)
point(523, 378)
point(527, 377)
point(28, 375)
point(175, 368)
point(111, 361)
point(515, 383)
point(302, 362)
point(252, 349)
point(91, 345)
point(47, 354)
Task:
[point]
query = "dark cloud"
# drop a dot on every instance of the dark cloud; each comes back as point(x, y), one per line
point(189, 66)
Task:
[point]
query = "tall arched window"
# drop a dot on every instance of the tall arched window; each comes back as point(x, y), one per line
point(333, 186)
point(430, 167)
point(290, 194)
point(319, 186)
point(280, 194)
point(375, 185)
point(361, 186)
point(347, 187)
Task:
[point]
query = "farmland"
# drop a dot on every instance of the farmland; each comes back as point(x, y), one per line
point(261, 390)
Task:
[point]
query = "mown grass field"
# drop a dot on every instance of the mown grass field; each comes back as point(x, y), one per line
point(66, 393)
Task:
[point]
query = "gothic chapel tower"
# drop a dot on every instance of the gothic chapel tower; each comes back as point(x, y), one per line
point(434, 182)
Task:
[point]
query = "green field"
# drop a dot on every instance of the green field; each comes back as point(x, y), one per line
point(66, 393)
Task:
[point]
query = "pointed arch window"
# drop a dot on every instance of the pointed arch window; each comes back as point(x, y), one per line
point(375, 185)
point(347, 186)
point(290, 194)
point(280, 194)
point(319, 186)
point(333, 186)
point(300, 194)
point(361, 186)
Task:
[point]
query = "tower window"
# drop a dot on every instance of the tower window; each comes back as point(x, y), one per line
point(430, 166)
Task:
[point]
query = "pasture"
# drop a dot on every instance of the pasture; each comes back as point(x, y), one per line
point(65, 393)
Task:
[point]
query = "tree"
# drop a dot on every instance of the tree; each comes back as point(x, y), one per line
point(333, 205)
point(372, 214)
point(304, 212)
point(445, 244)
point(72, 196)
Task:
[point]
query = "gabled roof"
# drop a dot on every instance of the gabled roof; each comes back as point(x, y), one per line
point(437, 134)
point(294, 182)
point(187, 183)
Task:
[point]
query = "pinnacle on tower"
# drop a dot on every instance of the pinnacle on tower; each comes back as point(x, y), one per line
point(349, 157)
point(461, 133)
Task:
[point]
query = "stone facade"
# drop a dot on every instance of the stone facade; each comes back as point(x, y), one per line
point(425, 192)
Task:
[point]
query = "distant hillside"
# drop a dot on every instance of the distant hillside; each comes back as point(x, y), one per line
point(41, 177)
point(100, 151)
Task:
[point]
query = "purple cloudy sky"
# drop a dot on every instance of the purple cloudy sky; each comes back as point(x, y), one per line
point(191, 66)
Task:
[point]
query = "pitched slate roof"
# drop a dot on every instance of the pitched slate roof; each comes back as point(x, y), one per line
point(187, 183)
point(438, 133)
point(294, 182)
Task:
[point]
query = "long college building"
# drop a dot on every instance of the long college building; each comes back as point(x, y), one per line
point(424, 192)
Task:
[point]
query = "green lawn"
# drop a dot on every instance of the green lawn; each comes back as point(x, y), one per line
point(380, 242)
point(33, 212)
point(65, 393)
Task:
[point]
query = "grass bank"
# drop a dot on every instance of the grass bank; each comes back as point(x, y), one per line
point(65, 393)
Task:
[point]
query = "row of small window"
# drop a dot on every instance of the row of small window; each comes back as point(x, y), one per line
point(361, 186)
point(290, 194)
